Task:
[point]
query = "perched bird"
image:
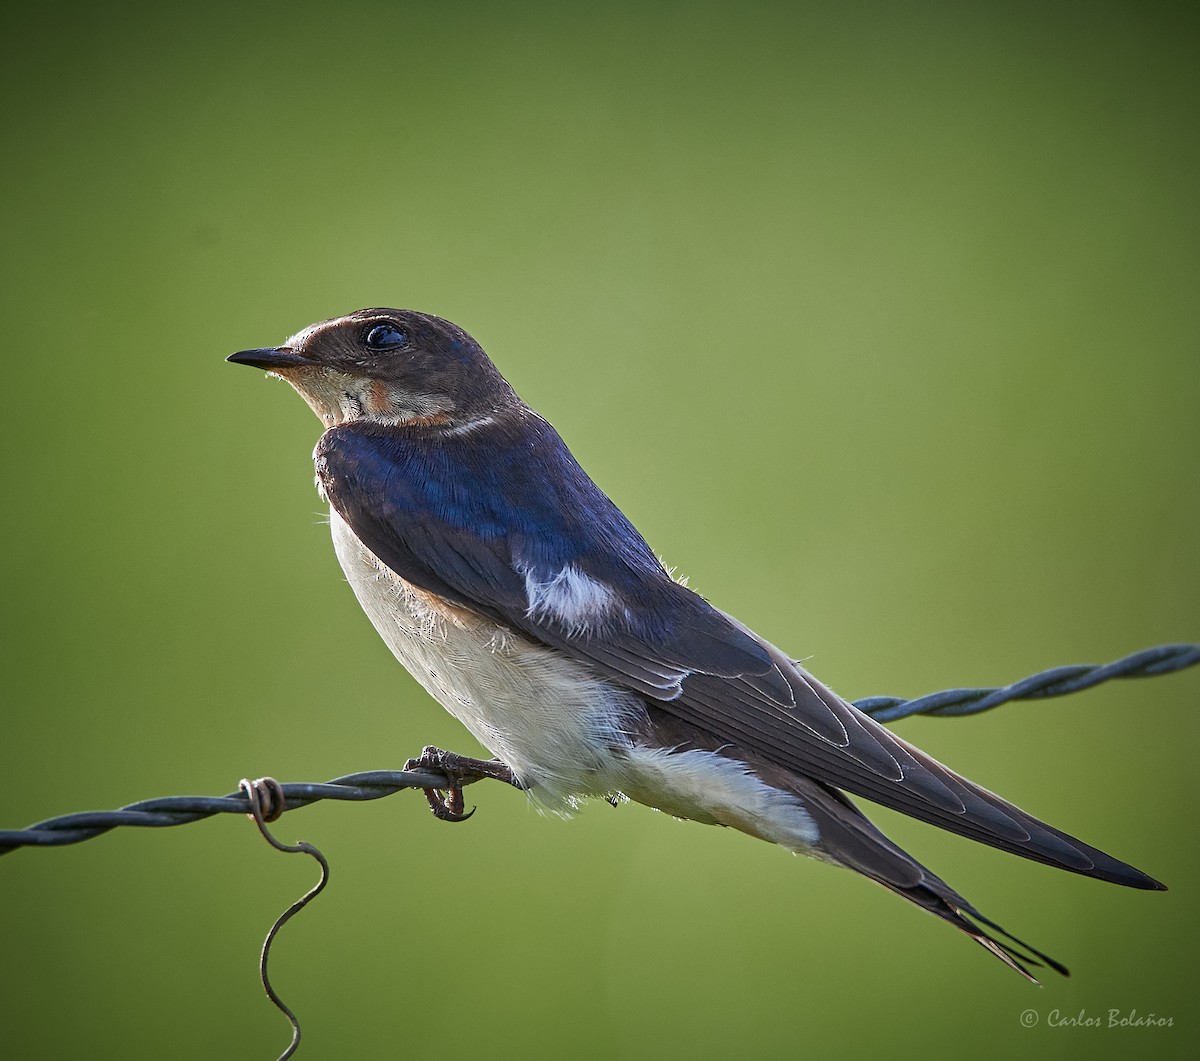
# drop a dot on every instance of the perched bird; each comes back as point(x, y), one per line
point(525, 602)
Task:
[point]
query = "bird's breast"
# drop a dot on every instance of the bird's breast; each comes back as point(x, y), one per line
point(561, 727)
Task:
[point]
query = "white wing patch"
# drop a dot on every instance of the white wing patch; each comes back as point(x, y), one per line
point(467, 426)
point(575, 601)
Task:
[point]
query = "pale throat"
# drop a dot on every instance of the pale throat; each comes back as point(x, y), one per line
point(339, 398)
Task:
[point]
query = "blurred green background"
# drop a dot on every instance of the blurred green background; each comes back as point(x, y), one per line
point(880, 321)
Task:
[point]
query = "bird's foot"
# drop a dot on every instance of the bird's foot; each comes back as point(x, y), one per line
point(460, 770)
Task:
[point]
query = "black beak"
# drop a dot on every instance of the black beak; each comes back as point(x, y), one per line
point(270, 357)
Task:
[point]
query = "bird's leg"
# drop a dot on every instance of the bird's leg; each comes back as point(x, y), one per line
point(460, 770)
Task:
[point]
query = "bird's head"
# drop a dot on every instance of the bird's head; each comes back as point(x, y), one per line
point(387, 366)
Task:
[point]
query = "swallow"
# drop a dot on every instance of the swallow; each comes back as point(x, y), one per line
point(525, 602)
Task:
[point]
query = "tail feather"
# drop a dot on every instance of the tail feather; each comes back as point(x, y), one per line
point(844, 836)
point(935, 897)
point(1034, 956)
point(849, 839)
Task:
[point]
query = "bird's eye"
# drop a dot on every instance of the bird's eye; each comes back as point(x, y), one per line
point(386, 337)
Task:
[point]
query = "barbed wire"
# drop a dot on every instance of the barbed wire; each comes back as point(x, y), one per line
point(443, 775)
point(953, 703)
point(375, 784)
point(181, 810)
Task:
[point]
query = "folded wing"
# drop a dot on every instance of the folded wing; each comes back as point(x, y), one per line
point(490, 523)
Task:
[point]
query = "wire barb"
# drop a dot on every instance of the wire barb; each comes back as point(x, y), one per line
point(374, 784)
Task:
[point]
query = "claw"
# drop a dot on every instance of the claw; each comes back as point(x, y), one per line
point(447, 804)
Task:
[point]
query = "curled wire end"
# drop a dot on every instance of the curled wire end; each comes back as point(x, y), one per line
point(267, 802)
point(266, 805)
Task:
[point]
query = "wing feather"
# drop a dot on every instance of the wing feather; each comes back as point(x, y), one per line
point(530, 507)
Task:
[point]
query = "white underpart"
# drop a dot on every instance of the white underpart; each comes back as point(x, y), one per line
point(554, 721)
point(563, 729)
point(574, 601)
point(704, 786)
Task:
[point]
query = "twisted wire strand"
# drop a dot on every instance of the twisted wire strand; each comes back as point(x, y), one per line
point(375, 784)
point(180, 810)
point(1058, 681)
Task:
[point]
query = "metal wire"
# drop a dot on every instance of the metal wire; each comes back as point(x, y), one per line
point(374, 784)
point(267, 803)
point(952, 703)
point(180, 810)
